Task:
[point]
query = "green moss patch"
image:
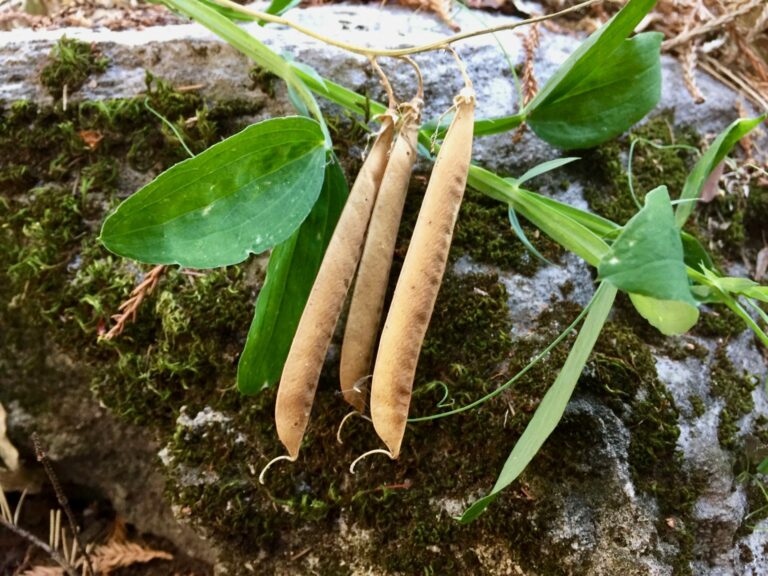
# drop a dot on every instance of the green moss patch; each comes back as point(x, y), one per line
point(70, 64)
point(605, 166)
point(736, 390)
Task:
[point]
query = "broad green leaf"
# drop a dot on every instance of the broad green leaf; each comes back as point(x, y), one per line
point(292, 268)
point(595, 52)
point(243, 195)
point(669, 317)
point(613, 95)
point(552, 406)
point(715, 154)
point(647, 256)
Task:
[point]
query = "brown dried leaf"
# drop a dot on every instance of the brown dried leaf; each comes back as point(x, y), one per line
point(121, 554)
point(761, 266)
point(91, 138)
point(9, 456)
point(710, 189)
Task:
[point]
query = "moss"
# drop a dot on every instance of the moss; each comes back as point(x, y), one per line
point(651, 167)
point(70, 64)
point(735, 390)
point(753, 453)
point(756, 212)
point(718, 321)
point(61, 168)
point(264, 80)
point(180, 355)
point(471, 323)
point(697, 405)
point(483, 232)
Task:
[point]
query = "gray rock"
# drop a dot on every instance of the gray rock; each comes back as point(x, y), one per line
point(601, 525)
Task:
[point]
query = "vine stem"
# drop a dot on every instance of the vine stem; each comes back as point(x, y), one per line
point(373, 52)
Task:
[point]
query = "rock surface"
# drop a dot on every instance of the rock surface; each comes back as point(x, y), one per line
point(586, 505)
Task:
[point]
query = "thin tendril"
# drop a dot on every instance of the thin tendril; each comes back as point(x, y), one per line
point(514, 379)
point(344, 421)
point(171, 126)
point(376, 451)
point(364, 51)
point(385, 82)
point(269, 465)
point(630, 159)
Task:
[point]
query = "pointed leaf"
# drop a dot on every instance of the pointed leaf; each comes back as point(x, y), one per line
point(543, 168)
point(292, 268)
point(647, 257)
point(594, 52)
point(669, 317)
point(613, 95)
point(241, 196)
point(715, 154)
point(552, 406)
point(520, 233)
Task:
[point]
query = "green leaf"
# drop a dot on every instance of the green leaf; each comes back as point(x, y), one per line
point(569, 232)
point(647, 256)
point(243, 195)
point(695, 253)
point(520, 233)
point(616, 92)
point(715, 154)
point(762, 468)
point(278, 7)
point(669, 317)
point(552, 406)
point(595, 52)
point(736, 285)
point(292, 268)
point(646, 260)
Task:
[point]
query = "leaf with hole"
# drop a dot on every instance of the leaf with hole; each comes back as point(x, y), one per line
point(243, 195)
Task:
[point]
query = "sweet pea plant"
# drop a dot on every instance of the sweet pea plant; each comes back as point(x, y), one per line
point(277, 186)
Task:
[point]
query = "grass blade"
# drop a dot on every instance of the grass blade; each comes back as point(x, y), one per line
point(552, 406)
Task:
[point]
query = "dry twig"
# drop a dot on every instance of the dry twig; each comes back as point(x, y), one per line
point(42, 457)
point(130, 307)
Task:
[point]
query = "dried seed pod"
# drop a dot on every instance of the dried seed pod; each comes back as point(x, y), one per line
point(420, 278)
point(301, 372)
point(371, 284)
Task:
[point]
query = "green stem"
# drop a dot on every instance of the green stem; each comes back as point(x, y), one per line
point(224, 28)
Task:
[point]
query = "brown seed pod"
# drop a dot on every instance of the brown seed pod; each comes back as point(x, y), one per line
point(301, 372)
point(367, 302)
point(419, 281)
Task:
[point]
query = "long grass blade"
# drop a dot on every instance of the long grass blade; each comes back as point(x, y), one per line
point(552, 406)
